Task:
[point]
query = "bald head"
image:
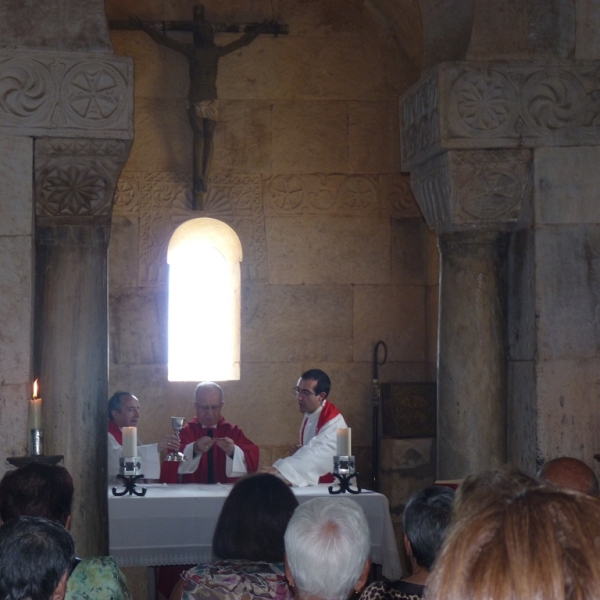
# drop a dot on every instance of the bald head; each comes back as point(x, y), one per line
point(571, 474)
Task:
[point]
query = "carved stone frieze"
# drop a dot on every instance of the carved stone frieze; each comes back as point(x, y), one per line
point(66, 94)
point(468, 105)
point(473, 187)
point(75, 177)
point(339, 195)
point(162, 201)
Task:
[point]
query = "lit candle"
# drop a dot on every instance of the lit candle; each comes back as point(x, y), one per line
point(344, 445)
point(35, 409)
point(129, 441)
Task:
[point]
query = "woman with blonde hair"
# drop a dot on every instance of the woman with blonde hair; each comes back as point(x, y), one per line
point(518, 539)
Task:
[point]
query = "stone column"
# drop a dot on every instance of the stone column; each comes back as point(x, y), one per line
point(473, 198)
point(471, 346)
point(470, 132)
point(68, 107)
point(74, 186)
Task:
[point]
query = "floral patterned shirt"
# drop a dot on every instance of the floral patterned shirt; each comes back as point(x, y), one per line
point(236, 580)
point(97, 578)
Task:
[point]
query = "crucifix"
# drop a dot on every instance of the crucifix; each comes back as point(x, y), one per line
point(203, 57)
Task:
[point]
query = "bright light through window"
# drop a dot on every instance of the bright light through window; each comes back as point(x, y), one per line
point(204, 302)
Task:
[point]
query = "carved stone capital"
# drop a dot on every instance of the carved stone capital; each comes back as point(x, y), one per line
point(463, 189)
point(472, 105)
point(76, 178)
point(66, 94)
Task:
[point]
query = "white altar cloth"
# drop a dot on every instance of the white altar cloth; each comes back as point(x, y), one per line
point(174, 524)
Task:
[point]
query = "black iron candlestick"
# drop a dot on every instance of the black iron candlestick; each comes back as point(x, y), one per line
point(344, 470)
point(130, 468)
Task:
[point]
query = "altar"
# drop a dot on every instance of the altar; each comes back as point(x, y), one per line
point(174, 524)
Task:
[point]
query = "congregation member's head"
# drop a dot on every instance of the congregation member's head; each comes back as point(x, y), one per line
point(535, 542)
point(208, 401)
point(327, 545)
point(37, 490)
point(426, 519)
point(36, 556)
point(124, 409)
point(570, 474)
point(489, 486)
point(253, 520)
point(312, 388)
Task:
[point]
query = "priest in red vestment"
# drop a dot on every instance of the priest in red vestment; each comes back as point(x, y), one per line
point(311, 461)
point(216, 451)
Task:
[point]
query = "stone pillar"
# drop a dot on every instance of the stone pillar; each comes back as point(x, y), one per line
point(471, 131)
point(471, 359)
point(66, 121)
point(74, 186)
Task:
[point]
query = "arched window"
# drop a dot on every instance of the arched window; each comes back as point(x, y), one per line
point(204, 258)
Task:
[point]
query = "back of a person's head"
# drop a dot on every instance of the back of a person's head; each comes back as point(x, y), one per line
point(327, 545)
point(35, 554)
point(570, 474)
point(253, 520)
point(36, 490)
point(490, 485)
point(538, 543)
point(426, 518)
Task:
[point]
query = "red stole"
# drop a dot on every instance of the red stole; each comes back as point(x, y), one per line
point(328, 412)
point(114, 430)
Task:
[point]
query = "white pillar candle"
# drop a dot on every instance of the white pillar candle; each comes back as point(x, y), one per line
point(129, 441)
point(344, 442)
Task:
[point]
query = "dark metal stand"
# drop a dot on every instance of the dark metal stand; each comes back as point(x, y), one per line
point(129, 483)
point(344, 481)
point(376, 398)
point(21, 461)
point(344, 470)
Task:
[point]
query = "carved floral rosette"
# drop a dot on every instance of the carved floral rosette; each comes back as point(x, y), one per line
point(66, 94)
point(468, 105)
point(483, 188)
point(76, 177)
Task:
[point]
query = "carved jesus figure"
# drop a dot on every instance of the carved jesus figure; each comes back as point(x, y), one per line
point(203, 108)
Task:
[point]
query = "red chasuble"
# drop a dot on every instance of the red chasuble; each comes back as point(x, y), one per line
point(329, 412)
point(193, 431)
point(114, 430)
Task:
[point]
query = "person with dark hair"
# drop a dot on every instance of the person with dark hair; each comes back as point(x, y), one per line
point(124, 411)
point(311, 461)
point(216, 451)
point(42, 490)
point(570, 474)
point(36, 557)
point(426, 518)
point(249, 543)
point(37, 490)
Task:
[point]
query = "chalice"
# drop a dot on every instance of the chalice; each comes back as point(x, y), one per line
point(177, 424)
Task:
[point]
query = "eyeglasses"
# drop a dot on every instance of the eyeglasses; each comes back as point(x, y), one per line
point(215, 408)
point(305, 393)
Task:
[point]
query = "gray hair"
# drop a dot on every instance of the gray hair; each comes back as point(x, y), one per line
point(207, 385)
point(327, 544)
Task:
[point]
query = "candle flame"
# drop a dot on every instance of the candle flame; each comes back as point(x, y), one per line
point(35, 388)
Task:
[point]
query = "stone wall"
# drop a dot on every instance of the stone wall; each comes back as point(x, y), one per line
point(306, 170)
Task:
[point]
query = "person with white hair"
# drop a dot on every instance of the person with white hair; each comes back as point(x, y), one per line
point(327, 545)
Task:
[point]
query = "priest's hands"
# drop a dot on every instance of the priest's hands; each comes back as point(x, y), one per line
point(227, 445)
point(204, 444)
point(168, 443)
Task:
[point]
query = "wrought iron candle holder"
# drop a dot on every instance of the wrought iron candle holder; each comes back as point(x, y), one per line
point(344, 470)
point(130, 467)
